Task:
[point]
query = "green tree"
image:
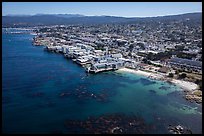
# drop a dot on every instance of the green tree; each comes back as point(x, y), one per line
point(171, 75)
point(150, 56)
point(183, 75)
point(199, 82)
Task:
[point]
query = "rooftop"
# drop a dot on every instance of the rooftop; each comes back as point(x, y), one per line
point(187, 62)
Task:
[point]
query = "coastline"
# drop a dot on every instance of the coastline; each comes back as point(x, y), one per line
point(189, 86)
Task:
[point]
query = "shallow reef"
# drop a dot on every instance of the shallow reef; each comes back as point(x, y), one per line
point(109, 124)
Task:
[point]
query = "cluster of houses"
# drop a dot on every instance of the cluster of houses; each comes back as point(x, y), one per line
point(93, 60)
point(96, 61)
point(106, 47)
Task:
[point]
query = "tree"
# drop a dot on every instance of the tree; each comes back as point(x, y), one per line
point(200, 85)
point(199, 82)
point(145, 60)
point(171, 75)
point(142, 46)
point(183, 75)
point(179, 48)
point(185, 55)
point(150, 56)
point(130, 54)
point(131, 47)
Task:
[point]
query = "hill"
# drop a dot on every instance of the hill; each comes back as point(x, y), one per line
point(63, 19)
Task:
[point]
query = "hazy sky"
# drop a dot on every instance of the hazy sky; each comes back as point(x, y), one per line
point(125, 9)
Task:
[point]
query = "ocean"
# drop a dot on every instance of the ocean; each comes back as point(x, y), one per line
point(42, 90)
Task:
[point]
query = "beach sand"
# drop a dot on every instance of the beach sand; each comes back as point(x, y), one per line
point(190, 86)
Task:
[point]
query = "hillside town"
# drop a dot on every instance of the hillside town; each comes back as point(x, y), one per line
point(170, 50)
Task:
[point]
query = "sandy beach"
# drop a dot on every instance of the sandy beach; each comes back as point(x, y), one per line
point(190, 86)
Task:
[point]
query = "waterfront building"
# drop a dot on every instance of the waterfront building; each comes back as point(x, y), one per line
point(185, 63)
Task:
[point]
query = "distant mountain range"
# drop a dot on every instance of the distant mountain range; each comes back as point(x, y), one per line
point(63, 19)
point(57, 15)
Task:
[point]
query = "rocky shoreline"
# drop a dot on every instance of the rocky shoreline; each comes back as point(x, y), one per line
point(178, 129)
point(194, 96)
